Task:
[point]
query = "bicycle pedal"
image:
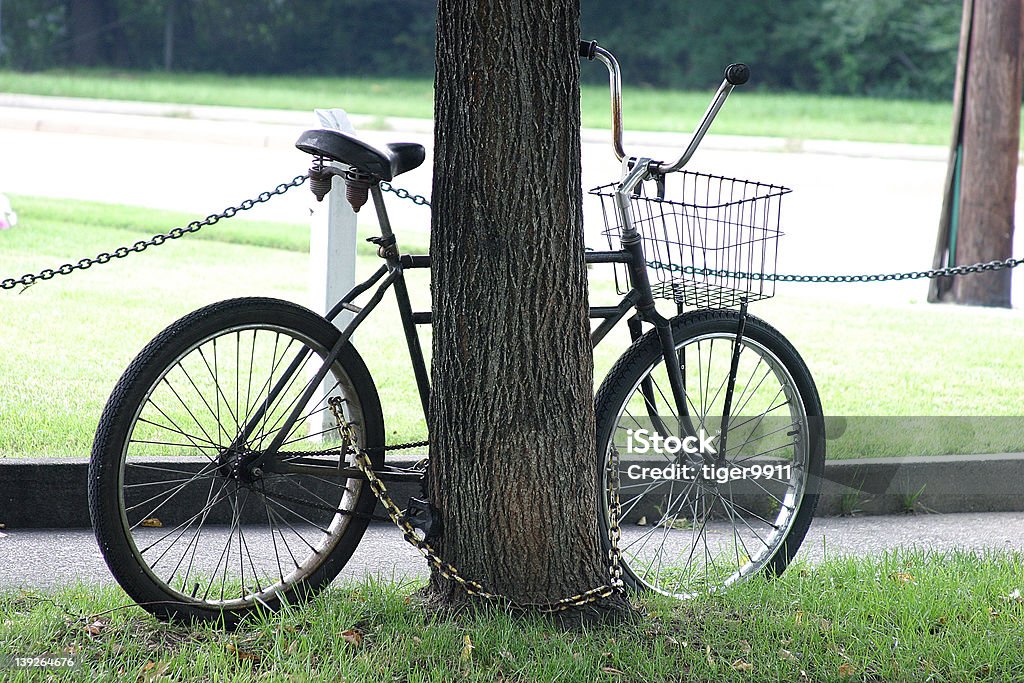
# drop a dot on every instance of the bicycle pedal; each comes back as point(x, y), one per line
point(423, 517)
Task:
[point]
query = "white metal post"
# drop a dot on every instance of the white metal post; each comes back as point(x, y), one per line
point(332, 253)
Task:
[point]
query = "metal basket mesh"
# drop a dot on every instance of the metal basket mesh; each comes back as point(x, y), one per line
point(710, 246)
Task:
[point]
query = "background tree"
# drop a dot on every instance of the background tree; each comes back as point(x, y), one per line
point(512, 423)
point(94, 31)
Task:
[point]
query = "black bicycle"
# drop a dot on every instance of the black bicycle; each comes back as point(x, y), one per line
point(220, 481)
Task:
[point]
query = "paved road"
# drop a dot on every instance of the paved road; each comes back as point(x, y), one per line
point(41, 558)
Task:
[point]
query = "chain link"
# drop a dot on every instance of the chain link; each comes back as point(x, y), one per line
point(447, 570)
point(156, 240)
point(879, 277)
point(417, 199)
point(867, 277)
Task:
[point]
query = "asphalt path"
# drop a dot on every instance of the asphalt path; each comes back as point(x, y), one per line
point(57, 557)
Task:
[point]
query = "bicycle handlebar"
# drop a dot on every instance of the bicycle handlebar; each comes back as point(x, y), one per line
point(735, 74)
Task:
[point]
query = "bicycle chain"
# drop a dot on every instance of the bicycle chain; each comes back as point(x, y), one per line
point(474, 588)
point(195, 226)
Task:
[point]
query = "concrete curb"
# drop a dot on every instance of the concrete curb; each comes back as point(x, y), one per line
point(51, 492)
point(279, 127)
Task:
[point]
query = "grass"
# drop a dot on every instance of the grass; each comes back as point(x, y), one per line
point(906, 616)
point(67, 341)
point(797, 116)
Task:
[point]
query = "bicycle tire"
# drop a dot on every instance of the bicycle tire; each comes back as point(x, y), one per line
point(684, 516)
point(145, 435)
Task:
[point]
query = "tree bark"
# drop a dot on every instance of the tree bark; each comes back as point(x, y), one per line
point(991, 142)
point(513, 470)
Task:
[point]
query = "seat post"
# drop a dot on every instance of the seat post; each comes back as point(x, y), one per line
point(384, 221)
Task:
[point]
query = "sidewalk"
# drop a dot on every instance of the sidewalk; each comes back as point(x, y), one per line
point(46, 558)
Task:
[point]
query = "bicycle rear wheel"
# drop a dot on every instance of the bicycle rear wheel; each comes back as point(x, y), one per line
point(697, 522)
point(186, 529)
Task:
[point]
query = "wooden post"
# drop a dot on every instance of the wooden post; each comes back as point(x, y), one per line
point(991, 142)
point(948, 220)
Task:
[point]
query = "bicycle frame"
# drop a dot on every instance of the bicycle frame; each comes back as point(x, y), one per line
point(631, 254)
point(392, 275)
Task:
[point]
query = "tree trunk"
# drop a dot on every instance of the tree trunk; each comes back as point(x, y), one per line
point(991, 140)
point(512, 469)
point(95, 32)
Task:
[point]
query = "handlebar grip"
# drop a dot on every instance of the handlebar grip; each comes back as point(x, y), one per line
point(588, 48)
point(737, 74)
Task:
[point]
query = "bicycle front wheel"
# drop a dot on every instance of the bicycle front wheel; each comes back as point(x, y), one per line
point(705, 500)
point(186, 527)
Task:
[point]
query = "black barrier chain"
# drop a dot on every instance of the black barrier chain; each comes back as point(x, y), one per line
point(417, 199)
point(420, 200)
point(140, 246)
point(879, 277)
point(155, 240)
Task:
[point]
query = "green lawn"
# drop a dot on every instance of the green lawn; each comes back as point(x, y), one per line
point(796, 116)
point(66, 341)
point(899, 617)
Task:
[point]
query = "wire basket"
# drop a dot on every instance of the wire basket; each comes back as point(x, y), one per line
point(713, 246)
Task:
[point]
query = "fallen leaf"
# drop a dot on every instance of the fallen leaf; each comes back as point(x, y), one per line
point(96, 627)
point(352, 636)
point(903, 577)
point(799, 616)
point(846, 670)
point(152, 671)
point(993, 613)
point(740, 665)
point(787, 655)
point(417, 640)
point(151, 522)
point(744, 647)
point(467, 648)
point(612, 670)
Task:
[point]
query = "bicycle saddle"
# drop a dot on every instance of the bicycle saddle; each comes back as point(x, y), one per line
point(396, 158)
